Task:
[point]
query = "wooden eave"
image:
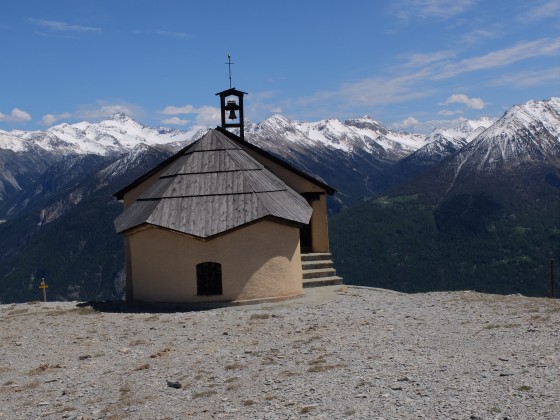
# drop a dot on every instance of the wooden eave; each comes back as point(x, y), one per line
point(274, 219)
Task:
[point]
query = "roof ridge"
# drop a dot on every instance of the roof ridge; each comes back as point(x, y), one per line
point(220, 137)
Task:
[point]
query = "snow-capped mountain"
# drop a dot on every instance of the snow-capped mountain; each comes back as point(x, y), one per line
point(364, 134)
point(521, 148)
point(440, 144)
point(526, 133)
point(362, 146)
point(116, 135)
point(56, 184)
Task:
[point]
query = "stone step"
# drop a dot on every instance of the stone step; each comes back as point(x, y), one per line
point(310, 265)
point(318, 272)
point(316, 256)
point(322, 281)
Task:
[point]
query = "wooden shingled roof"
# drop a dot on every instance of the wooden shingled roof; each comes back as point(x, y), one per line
point(212, 187)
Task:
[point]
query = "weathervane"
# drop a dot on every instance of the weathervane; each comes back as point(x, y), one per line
point(229, 63)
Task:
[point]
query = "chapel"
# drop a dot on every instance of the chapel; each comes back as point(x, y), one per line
point(223, 221)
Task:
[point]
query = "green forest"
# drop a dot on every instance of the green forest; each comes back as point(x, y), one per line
point(467, 242)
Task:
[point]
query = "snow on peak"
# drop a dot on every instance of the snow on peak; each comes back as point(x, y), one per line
point(362, 133)
point(462, 132)
point(120, 133)
point(117, 134)
point(120, 116)
point(526, 132)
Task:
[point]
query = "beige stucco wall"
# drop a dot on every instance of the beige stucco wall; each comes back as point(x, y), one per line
point(319, 223)
point(261, 260)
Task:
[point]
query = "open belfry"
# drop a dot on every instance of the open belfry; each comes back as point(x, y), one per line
point(223, 221)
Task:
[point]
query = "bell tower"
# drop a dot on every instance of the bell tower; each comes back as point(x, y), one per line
point(231, 100)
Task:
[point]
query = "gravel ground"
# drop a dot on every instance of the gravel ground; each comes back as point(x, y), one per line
point(336, 353)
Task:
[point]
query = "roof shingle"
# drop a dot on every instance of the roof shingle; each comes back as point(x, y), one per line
point(213, 187)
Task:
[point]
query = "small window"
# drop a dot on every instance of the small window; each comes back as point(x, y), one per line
point(209, 279)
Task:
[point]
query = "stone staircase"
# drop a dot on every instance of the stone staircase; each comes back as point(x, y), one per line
point(318, 270)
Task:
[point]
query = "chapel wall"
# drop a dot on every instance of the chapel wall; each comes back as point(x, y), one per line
point(261, 260)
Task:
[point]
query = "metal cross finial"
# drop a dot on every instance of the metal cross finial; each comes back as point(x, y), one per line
point(229, 63)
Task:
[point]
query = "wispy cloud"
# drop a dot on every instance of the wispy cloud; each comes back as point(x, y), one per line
point(460, 98)
point(477, 35)
point(50, 119)
point(57, 26)
point(406, 10)
point(422, 60)
point(171, 34)
point(175, 121)
point(530, 78)
point(259, 104)
point(521, 51)
point(102, 109)
point(95, 111)
point(407, 123)
point(419, 77)
point(549, 9)
point(15, 116)
point(448, 112)
point(416, 126)
point(204, 115)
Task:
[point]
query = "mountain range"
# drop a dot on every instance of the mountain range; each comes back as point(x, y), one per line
point(56, 185)
point(486, 217)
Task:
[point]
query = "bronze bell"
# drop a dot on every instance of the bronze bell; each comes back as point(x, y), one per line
point(231, 107)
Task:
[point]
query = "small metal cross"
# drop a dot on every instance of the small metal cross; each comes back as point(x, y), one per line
point(229, 63)
point(44, 286)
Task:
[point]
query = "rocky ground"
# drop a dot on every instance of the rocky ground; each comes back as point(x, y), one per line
point(336, 353)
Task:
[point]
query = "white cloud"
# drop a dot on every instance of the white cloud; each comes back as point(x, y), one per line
point(205, 115)
point(530, 78)
point(170, 34)
point(177, 110)
point(421, 60)
point(448, 112)
point(403, 84)
point(63, 26)
point(259, 105)
point(208, 115)
point(460, 98)
point(173, 34)
point(175, 121)
point(406, 123)
point(546, 10)
point(521, 51)
point(477, 35)
point(406, 10)
point(50, 119)
point(102, 109)
point(15, 116)
point(427, 126)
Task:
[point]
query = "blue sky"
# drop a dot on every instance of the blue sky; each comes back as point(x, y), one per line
point(410, 64)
